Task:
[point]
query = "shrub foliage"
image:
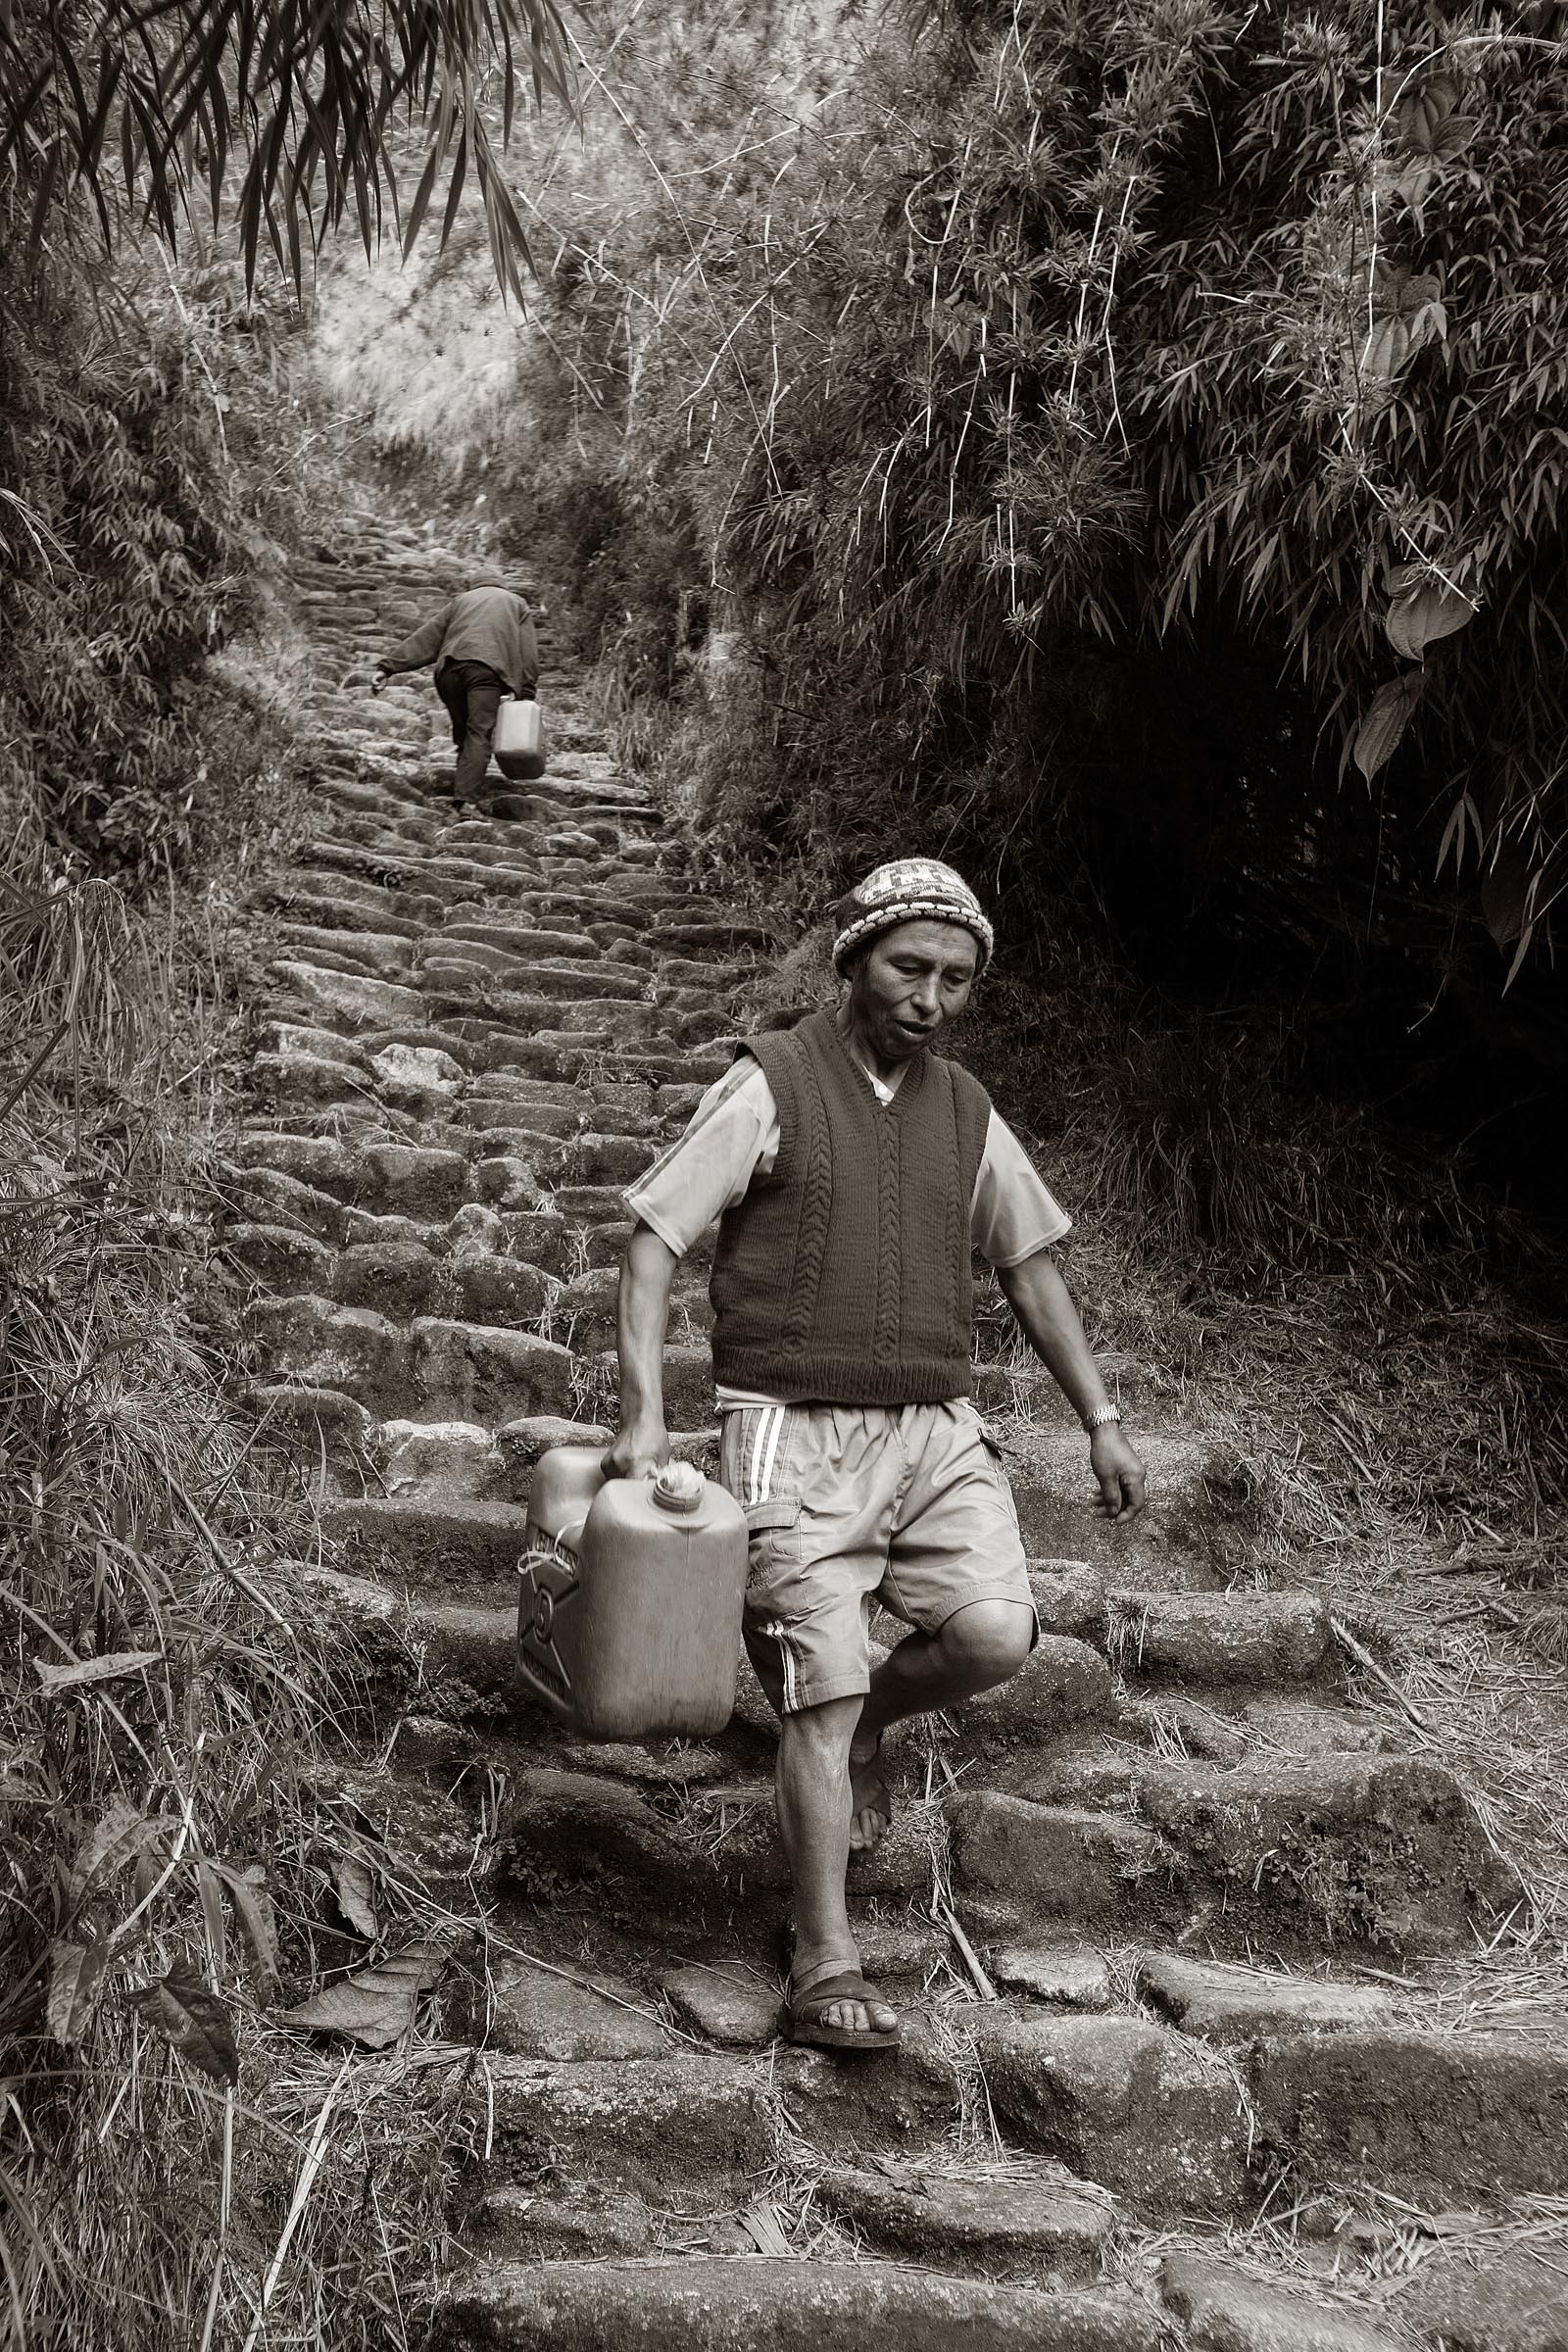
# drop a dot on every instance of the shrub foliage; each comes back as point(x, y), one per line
point(1136, 424)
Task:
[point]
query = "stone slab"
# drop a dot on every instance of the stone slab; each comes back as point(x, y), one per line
point(1224, 2310)
point(1502, 2300)
point(1236, 1637)
point(727, 2001)
point(1062, 1681)
point(1053, 1859)
point(665, 2129)
point(1068, 1975)
point(1368, 1850)
point(1472, 2115)
point(1033, 2225)
point(1226, 2003)
point(738, 2303)
point(514, 2220)
point(540, 2013)
point(1123, 2102)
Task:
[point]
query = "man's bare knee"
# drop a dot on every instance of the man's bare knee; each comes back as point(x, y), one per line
point(823, 1732)
point(988, 1640)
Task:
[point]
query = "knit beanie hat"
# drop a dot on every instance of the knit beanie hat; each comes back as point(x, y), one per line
point(908, 890)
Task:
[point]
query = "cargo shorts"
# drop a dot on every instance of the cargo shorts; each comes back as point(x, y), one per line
point(852, 1507)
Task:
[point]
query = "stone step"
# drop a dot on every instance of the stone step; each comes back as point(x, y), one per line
point(402, 875)
point(1036, 2224)
point(351, 1349)
point(345, 1000)
point(1236, 1636)
point(738, 2303)
point(1345, 1850)
point(519, 940)
point(430, 1545)
point(1140, 2110)
point(1059, 1513)
point(388, 1179)
point(333, 954)
point(1470, 2118)
point(1226, 2309)
point(681, 2127)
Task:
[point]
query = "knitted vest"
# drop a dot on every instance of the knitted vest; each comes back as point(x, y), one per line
point(844, 1276)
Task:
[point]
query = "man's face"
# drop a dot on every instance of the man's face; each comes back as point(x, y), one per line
point(911, 982)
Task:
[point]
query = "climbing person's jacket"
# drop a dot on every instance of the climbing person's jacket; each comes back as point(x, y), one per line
point(488, 624)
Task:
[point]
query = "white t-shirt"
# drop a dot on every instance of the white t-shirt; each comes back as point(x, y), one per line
point(733, 1134)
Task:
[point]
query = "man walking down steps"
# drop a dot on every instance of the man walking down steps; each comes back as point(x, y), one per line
point(853, 1169)
point(483, 646)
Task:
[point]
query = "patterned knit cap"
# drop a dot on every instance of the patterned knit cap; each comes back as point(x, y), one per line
point(909, 890)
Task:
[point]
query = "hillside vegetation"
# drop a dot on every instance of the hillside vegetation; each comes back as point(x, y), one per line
point(171, 1692)
point(1130, 441)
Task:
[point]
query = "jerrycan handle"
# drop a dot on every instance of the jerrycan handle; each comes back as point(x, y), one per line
point(678, 1489)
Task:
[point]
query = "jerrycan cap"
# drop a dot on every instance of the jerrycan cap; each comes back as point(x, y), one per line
point(679, 1488)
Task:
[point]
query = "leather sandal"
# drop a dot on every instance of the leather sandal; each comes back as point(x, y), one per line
point(807, 2021)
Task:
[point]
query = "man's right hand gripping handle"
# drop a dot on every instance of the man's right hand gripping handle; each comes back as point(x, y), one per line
point(638, 1451)
point(642, 1317)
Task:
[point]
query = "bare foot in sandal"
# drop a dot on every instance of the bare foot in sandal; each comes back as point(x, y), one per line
point(870, 1801)
point(835, 2008)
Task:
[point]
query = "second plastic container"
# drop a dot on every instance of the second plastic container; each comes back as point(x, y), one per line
point(629, 1614)
point(520, 738)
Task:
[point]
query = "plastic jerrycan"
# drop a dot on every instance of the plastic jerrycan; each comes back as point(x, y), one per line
point(518, 743)
point(629, 1612)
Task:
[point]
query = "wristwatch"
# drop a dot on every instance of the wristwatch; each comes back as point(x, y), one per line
point(1104, 1416)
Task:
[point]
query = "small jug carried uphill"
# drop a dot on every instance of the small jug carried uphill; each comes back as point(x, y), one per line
point(518, 743)
point(629, 1610)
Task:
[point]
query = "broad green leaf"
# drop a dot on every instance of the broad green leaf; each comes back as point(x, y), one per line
point(75, 1971)
point(1420, 618)
point(375, 2005)
point(1389, 714)
point(1406, 313)
point(189, 2015)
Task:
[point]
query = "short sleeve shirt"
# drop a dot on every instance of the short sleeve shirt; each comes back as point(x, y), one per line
point(733, 1134)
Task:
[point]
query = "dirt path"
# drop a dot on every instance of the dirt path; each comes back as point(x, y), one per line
point(1223, 1913)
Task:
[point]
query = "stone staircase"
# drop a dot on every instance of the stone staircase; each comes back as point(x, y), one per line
point(1180, 1934)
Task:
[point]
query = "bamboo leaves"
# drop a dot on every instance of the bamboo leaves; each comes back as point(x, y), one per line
point(308, 98)
point(1406, 313)
point(88, 1671)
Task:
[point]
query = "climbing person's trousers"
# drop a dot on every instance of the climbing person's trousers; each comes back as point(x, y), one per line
point(472, 692)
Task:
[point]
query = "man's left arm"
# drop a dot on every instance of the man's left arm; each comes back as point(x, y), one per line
point(1043, 1307)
